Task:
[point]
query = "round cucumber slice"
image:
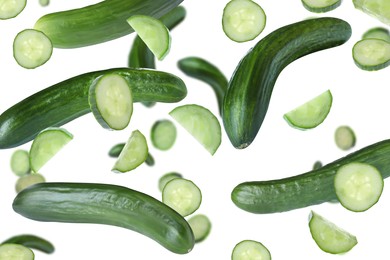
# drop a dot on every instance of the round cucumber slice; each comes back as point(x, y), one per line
point(153, 33)
point(11, 8)
point(201, 227)
point(358, 186)
point(47, 144)
point(377, 33)
point(163, 134)
point(20, 162)
point(10, 251)
point(371, 54)
point(250, 249)
point(329, 237)
point(345, 138)
point(201, 124)
point(321, 6)
point(28, 180)
point(312, 113)
point(166, 178)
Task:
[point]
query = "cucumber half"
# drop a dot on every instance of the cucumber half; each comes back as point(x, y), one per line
point(321, 6)
point(250, 249)
point(11, 251)
point(371, 54)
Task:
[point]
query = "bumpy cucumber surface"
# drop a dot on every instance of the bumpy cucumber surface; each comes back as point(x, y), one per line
point(106, 204)
point(310, 188)
point(250, 88)
point(68, 100)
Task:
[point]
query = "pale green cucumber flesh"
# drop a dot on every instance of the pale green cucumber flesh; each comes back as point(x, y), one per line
point(312, 113)
point(15, 252)
point(44, 2)
point(344, 137)
point(182, 195)
point(201, 123)
point(243, 20)
point(11, 8)
point(201, 226)
point(28, 180)
point(358, 186)
point(380, 9)
point(166, 178)
point(321, 6)
point(20, 162)
point(329, 237)
point(32, 48)
point(377, 33)
point(371, 54)
point(250, 249)
point(163, 134)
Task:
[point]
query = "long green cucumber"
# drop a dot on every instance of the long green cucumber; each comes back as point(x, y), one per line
point(99, 22)
point(310, 188)
point(106, 204)
point(32, 241)
point(250, 88)
point(68, 100)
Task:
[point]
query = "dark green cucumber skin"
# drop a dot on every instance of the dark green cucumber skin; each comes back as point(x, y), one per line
point(116, 150)
point(310, 188)
point(207, 72)
point(99, 22)
point(32, 241)
point(106, 204)
point(250, 87)
point(68, 100)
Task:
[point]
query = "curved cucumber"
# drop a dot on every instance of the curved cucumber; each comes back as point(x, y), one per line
point(106, 204)
point(68, 100)
point(99, 22)
point(250, 88)
point(32, 241)
point(310, 188)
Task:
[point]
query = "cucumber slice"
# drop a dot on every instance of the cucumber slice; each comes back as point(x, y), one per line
point(321, 6)
point(380, 33)
point(329, 237)
point(201, 227)
point(153, 32)
point(201, 124)
point(134, 153)
point(28, 180)
point(20, 162)
point(243, 20)
point(11, 8)
point(312, 113)
point(46, 144)
point(10, 251)
point(166, 178)
point(345, 138)
point(163, 134)
point(250, 249)
point(111, 101)
point(379, 9)
point(44, 2)
point(182, 195)
point(32, 48)
point(358, 186)
point(371, 54)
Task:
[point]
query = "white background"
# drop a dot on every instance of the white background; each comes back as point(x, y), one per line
point(361, 100)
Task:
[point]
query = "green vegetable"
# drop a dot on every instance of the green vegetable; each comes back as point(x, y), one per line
point(201, 226)
point(250, 249)
point(321, 6)
point(371, 54)
point(68, 100)
point(166, 178)
point(377, 33)
point(32, 241)
point(163, 134)
point(345, 137)
point(44, 2)
point(317, 165)
point(28, 180)
point(379, 9)
point(250, 88)
point(116, 150)
point(11, 8)
point(20, 162)
point(149, 160)
point(106, 204)
point(310, 188)
point(15, 252)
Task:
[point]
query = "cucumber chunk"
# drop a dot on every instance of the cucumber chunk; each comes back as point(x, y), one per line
point(201, 124)
point(28, 180)
point(380, 33)
point(321, 6)
point(134, 153)
point(358, 186)
point(317, 165)
point(32, 48)
point(379, 9)
point(111, 101)
point(149, 160)
point(11, 8)
point(371, 54)
point(153, 32)
point(10, 251)
point(116, 150)
point(20, 162)
point(250, 249)
point(201, 227)
point(243, 20)
point(182, 195)
point(163, 134)
point(312, 113)
point(46, 144)
point(329, 237)
point(344, 137)
point(166, 178)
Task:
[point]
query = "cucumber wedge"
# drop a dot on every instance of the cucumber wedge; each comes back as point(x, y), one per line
point(201, 124)
point(379, 9)
point(344, 137)
point(153, 32)
point(201, 227)
point(377, 33)
point(358, 186)
point(47, 143)
point(111, 101)
point(321, 6)
point(133, 154)
point(20, 162)
point(12, 251)
point(312, 113)
point(371, 54)
point(329, 237)
point(11, 8)
point(250, 249)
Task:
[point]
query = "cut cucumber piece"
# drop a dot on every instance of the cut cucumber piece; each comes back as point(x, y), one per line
point(201, 227)
point(312, 113)
point(11, 8)
point(317, 165)
point(46, 144)
point(201, 124)
point(243, 20)
point(380, 33)
point(329, 237)
point(149, 160)
point(250, 249)
point(371, 54)
point(116, 150)
point(166, 178)
point(163, 134)
point(134, 153)
point(153, 32)
point(28, 180)
point(182, 195)
point(358, 186)
point(321, 6)
point(32, 48)
point(380, 9)
point(44, 2)
point(345, 138)
point(20, 162)
point(12, 251)
point(111, 101)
